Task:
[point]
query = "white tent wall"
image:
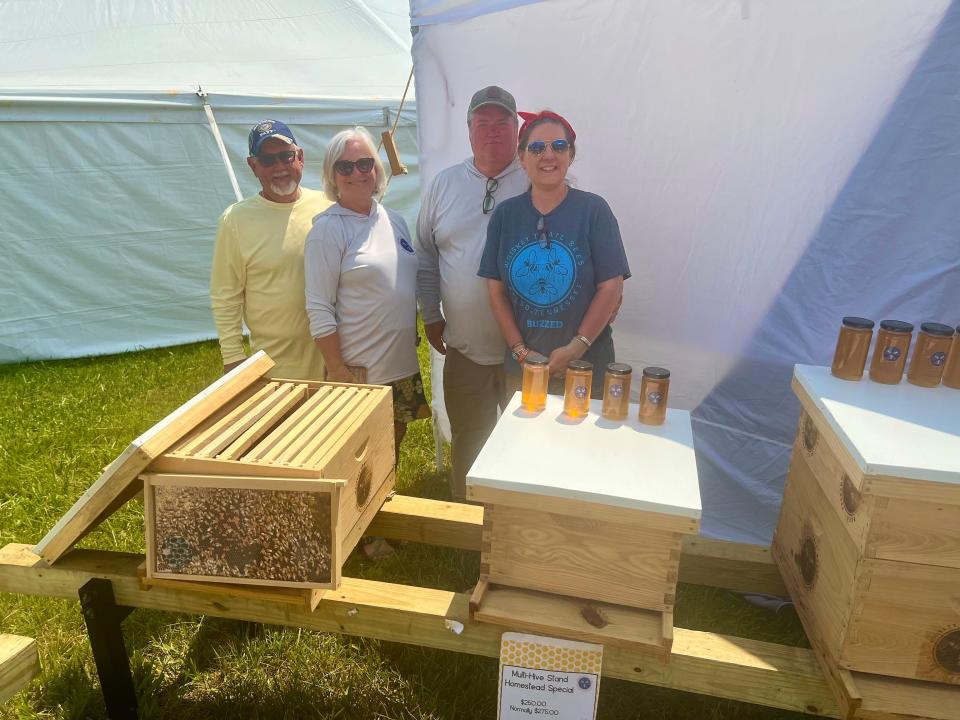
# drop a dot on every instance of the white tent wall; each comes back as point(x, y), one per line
point(113, 181)
point(110, 208)
point(773, 165)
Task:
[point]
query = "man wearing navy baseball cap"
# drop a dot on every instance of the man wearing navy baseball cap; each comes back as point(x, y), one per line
point(257, 275)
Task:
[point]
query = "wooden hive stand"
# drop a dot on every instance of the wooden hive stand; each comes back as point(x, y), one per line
point(587, 509)
point(868, 540)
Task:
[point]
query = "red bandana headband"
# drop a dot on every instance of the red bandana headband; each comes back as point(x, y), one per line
point(530, 118)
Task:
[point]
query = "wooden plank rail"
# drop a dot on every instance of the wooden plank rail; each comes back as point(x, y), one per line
point(19, 664)
point(722, 666)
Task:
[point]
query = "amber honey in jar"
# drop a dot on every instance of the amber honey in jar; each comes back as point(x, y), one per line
point(850, 357)
point(576, 395)
point(654, 389)
point(930, 354)
point(536, 378)
point(890, 352)
point(616, 391)
point(951, 371)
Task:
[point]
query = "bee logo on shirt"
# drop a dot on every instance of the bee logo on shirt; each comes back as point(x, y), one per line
point(405, 244)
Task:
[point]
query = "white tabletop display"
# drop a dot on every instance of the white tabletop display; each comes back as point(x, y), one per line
point(868, 540)
point(590, 509)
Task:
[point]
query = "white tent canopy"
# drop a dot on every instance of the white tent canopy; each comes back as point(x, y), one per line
point(114, 181)
point(773, 165)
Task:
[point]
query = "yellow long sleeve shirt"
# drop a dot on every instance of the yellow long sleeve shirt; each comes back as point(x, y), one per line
point(257, 278)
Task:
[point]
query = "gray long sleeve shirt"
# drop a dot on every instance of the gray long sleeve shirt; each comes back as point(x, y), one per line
point(451, 233)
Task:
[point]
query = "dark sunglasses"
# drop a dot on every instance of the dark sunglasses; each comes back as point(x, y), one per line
point(543, 235)
point(538, 147)
point(269, 159)
point(345, 167)
point(489, 201)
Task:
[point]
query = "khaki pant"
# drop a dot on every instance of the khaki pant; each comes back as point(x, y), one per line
point(472, 394)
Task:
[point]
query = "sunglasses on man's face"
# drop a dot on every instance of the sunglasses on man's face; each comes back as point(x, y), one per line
point(539, 147)
point(345, 167)
point(269, 159)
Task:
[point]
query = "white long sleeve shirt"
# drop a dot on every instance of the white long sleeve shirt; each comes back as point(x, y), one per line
point(451, 233)
point(361, 274)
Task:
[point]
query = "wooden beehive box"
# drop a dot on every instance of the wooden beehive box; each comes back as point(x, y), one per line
point(254, 480)
point(591, 509)
point(868, 540)
point(275, 489)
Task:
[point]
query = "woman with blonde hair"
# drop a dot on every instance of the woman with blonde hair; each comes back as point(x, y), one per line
point(361, 273)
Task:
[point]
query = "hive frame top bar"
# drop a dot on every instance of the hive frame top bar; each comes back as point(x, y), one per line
point(890, 430)
point(621, 464)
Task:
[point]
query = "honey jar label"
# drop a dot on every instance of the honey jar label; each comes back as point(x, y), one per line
point(655, 398)
point(580, 392)
point(891, 353)
point(616, 390)
point(938, 358)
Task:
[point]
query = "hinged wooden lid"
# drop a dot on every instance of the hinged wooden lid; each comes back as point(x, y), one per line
point(904, 439)
point(118, 482)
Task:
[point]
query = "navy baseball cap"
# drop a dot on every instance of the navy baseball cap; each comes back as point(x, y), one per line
point(269, 129)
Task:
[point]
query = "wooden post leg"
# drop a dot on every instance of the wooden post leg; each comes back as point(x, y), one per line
point(103, 617)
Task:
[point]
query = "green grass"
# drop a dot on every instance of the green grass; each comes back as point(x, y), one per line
point(61, 422)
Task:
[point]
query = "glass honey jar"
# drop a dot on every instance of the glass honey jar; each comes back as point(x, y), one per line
point(951, 371)
point(536, 378)
point(850, 357)
point(616, 391)
point(654, 388)
point(930, 354)
point(890, 352)
point(576, 395)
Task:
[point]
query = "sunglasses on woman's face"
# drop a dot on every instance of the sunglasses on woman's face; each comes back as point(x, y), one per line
point(345, 167)
point(539, 147)
point(270, 159)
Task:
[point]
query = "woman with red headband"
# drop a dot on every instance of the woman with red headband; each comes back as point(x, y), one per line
point(554, 261)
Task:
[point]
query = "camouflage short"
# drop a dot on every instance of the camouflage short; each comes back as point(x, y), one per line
point(409, 402)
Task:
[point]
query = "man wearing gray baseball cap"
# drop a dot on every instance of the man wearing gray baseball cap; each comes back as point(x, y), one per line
point(451, 233)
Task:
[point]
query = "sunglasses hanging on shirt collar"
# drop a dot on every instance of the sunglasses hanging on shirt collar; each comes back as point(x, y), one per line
point(543, 235)
point(489, 201)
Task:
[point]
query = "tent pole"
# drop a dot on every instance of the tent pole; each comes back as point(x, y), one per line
point(216, 135)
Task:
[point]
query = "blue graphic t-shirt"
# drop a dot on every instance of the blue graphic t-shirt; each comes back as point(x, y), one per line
point(551, 268)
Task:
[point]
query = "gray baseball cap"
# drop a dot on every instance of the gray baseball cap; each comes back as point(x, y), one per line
point(492, 95)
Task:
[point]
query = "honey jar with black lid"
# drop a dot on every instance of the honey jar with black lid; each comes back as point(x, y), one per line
point(576, 396)
point(930, 354)
point(853, 343)
point(654, 389)
point(890, 351)
point(951, 371)
point(616, 391)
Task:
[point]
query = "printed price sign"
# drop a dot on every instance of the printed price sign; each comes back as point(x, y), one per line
point(543, 677)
